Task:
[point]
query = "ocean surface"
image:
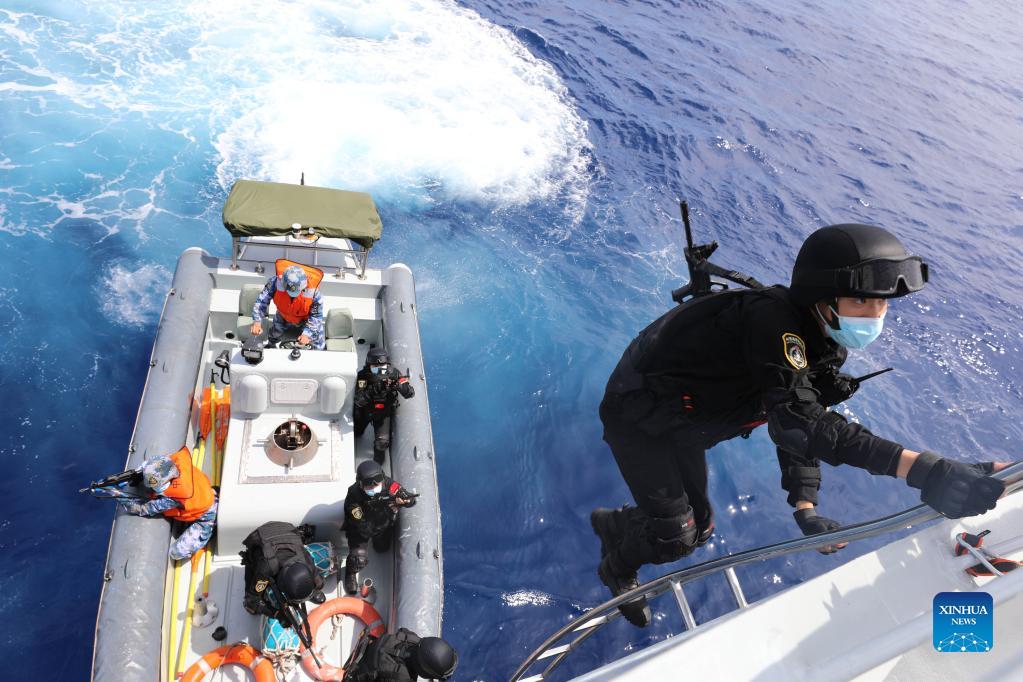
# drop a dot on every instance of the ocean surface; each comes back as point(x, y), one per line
point(527, 159)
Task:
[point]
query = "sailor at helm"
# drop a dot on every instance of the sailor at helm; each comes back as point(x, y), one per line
point(181, 492)
point(722, 364)
point(294, 290)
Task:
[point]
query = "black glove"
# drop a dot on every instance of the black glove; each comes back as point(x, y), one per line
point(836, 388)
point(405, 388)
point(812, 524)
point(952, 488)
point(406, 497)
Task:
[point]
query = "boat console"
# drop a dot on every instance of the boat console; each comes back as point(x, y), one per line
point(291, 437)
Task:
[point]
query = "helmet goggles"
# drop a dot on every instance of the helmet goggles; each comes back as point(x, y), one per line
point(372, 480)
point(879, 278)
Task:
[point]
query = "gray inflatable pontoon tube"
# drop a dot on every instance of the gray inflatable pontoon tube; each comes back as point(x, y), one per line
point(130, 623)
point(419, 560)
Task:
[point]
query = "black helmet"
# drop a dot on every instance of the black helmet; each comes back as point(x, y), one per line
point(377, 356)
point(854, 260)
point(434, 658)
point(296, 582)
point(369, 473)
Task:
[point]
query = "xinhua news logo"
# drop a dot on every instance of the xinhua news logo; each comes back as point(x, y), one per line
point(963, 622)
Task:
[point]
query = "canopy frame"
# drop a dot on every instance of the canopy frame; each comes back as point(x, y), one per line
point(359, 254)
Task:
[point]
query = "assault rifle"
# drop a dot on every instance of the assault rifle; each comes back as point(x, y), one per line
point(296, 619)
point(701, 269)
point(389, 499)
point(113, 486)
point(400, 495)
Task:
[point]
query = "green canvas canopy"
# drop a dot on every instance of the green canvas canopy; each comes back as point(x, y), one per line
point(266, 209)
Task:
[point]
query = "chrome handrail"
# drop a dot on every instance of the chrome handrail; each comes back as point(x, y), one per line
point(608, 611)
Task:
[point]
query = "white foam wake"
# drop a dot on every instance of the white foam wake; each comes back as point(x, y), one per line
point(413, 100)
point(410, 100)
point(133, 298)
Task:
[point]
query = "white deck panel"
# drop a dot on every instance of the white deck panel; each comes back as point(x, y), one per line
point(870, 619)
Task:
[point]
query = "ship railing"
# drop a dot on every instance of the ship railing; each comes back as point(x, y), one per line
point(568, 639)
point(352, 260)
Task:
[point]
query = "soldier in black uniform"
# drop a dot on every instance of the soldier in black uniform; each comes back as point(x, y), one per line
point(722, 364)
point(371, 508)
point(278, 569)
point(376, 398)
point(400, 657)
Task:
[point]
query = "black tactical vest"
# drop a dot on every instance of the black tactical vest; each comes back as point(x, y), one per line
point(280, 545)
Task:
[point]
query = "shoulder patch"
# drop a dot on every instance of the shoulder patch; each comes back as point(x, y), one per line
point(795, 350)
point(261, 585)
point(361, 383)
point(357, 513)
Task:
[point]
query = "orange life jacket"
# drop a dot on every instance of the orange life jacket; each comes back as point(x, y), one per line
point(191, 488)
point(296, 310)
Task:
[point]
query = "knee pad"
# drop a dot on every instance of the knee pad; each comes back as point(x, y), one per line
point(358, 559)
point(673, 537)
point(382, 442)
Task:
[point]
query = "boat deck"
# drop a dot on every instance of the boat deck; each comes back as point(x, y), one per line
point(255, 490)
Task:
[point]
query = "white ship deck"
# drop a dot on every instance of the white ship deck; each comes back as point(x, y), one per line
point(869, 619)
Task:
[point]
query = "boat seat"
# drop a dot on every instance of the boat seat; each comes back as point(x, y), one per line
point(247, 299)
point(338, 330)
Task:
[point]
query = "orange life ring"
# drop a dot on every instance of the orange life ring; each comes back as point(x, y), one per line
point(348, 606)
point(239, 653)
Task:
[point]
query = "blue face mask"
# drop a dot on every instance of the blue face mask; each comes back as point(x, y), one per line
point(375, 490)
point(855, 332)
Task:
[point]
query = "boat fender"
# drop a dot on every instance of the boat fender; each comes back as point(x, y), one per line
point(239, 653)
point(346, 606)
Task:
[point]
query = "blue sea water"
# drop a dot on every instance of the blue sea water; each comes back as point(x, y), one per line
point(527, 159)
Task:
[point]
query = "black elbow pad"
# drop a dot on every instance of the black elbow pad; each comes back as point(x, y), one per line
point(805, 429)
point(790, 422)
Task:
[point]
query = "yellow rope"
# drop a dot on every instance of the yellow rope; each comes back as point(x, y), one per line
point(176, 652)
point(207, 554)
point(186, 635)
point(172, 643)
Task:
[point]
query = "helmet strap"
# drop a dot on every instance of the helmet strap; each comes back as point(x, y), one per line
point(833, 322)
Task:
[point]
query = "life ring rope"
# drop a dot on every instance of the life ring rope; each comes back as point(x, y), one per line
point(238, 653)
point(346, 606)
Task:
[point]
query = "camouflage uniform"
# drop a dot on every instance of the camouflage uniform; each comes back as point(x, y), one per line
point(195, 536)
point(159, 471)
point(313, 326)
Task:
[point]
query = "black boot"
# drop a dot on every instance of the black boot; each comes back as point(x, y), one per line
point(351, 582)
point(704, 527)
point(609, 525)
point(636, 611)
